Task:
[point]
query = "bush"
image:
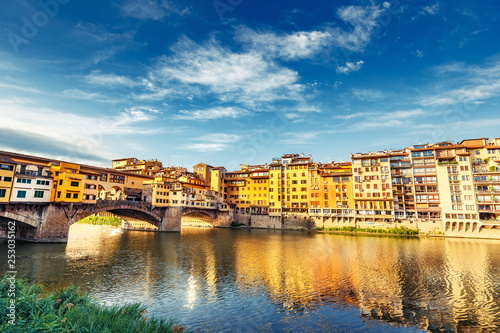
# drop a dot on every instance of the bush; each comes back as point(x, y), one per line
point(397, 230)
point(102, 220)
point(69, 310)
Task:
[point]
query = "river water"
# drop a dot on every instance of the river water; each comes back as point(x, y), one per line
point(223, 280)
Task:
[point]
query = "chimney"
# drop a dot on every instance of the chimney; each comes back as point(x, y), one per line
point(302, 155)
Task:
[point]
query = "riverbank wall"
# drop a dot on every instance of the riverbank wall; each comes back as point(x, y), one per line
point(425, 227)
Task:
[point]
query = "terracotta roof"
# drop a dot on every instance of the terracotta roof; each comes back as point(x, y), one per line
point(47, 160)
point(5, 159)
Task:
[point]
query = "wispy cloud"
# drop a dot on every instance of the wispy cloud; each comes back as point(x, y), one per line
point(369, 95)
point(69, 135)
point(470, 84)
point(10, 86)
point(361, 20)
point(211, 114)
point(151, 9)
point(350, 67)
point(431, 9)
point(362, 121)
point(80, 94)
point(97, 78)
point(295, 46)
point(242, 77)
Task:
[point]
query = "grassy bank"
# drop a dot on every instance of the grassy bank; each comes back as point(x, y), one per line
point(395, 231)
point(102, 220)
point(68, 310)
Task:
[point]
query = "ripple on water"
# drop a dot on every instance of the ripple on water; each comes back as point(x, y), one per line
point(258, 280)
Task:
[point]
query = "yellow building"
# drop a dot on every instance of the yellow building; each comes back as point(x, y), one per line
point(258, 181)
point(204, 171)
point(239, 192)
point(7, 171)
point(403, 190)
point(337, 186)
point(67, 182)
point(485, 159)
point(90, 186)
point(373, 196)
point(217, 183)
point(139, 167)
point(168, 192)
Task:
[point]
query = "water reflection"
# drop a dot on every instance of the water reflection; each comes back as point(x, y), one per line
point(257, 280)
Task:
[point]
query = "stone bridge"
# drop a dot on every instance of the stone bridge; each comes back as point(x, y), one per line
point(51, 222)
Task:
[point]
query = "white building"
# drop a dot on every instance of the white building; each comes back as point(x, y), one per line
point(32, 183)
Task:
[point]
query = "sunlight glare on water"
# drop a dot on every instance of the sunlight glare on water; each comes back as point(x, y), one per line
point(221, 280)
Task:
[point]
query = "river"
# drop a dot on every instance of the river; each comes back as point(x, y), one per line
point(225, 280)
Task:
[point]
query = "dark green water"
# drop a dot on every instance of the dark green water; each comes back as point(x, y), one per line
point(220, 280)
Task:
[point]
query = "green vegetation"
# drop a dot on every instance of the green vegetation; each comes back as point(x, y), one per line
point(448, 162)
point(102, 220)
point(68, 310)
point(396, 231)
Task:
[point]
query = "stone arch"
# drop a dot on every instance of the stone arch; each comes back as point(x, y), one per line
point(29, 215)
point(460, 226)
point(116, 193)
point(453, 226)
point(447, 226)
point(125, 211)
point(199, 218)
point(467, 226)
point(474, 226)
point(101, 193)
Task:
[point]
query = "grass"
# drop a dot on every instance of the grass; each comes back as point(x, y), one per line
point(102, 220)
point(396, 231)
point(69, 310)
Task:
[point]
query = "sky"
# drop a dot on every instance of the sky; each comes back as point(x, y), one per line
point(238, 81)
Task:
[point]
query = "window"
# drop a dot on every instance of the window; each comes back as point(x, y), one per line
point(75, 184)
point(68, 195)
point(21, 194)
point(75, 195)
point(3, 193)
point(7, 179)
point(60, 182)
point(58, 195)
point(38, 194)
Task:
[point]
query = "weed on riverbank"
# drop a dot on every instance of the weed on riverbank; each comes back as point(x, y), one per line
point(395, 231)
point(69, 310)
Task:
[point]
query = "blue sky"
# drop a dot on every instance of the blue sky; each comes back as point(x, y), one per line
point(239, 81)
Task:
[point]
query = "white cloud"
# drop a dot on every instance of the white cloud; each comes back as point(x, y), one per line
point(79, 94)
point(307, 44)
point(350, 67)
point(373, 120)
point(295, 46)
point(109, 80)
point(242, 77)
point(468, 84)
point(9, 86)
point(150, 9)
point(211, 114)
point(205, 147)
point(219, 138)
point(367, 94)
point(81, 135)
point(431, 9)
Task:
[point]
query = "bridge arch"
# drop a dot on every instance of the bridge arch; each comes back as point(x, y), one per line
point(197, 218)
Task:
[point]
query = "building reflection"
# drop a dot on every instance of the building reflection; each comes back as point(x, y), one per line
point(435, 284)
